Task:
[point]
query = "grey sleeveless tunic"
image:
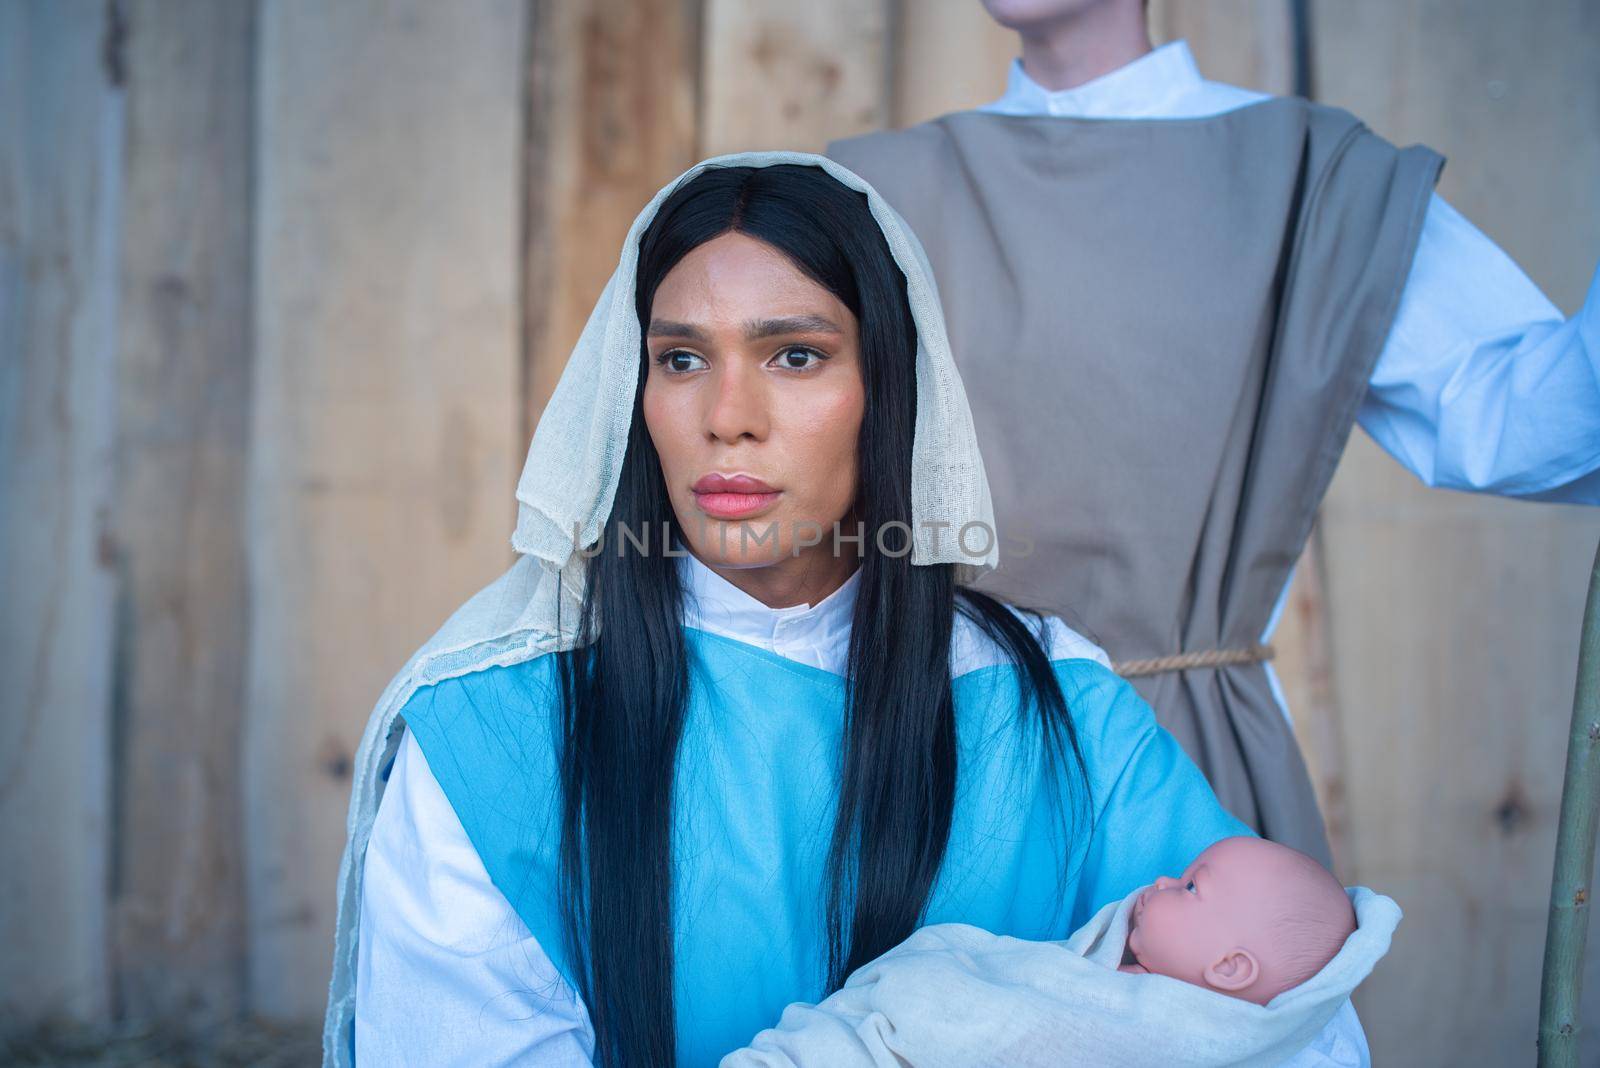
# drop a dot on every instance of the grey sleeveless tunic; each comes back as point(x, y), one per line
point(1165, 328)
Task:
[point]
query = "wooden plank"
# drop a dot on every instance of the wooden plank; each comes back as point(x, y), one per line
point(60, 160)
point(1455, 617)
point(780, 75)
point(1304, 668)
point(611, 119)
point(386, 434)
point(1240, 42)
point(949, 55)
point(183, 414)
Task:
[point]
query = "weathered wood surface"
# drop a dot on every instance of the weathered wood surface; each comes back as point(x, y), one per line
point(1241, 42)
point(61, 116)
point(795, 76)
point(611, 89)
point(386, 434)
point(183, 418)
point(948, 55)
point(1455, 618)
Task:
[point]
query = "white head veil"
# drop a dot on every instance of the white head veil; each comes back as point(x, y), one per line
point(568, 484)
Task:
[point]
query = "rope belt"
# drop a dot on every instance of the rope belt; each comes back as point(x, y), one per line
point(1210, 658)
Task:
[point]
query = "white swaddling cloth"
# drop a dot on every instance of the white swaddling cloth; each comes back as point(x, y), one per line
point(956, 996)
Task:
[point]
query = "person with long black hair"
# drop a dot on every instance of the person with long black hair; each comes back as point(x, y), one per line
point(734, 724)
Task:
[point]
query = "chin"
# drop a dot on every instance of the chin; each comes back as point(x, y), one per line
point(1021, 14)
point(721, 545)
point(736, 561)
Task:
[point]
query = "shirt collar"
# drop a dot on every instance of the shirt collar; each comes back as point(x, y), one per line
point(816, 634)
point(1144, 87)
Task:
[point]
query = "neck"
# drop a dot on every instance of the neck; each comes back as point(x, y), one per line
point(1075, 48)
point(803, 579)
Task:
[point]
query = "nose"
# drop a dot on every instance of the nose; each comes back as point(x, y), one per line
point(1165, 882)
point(738, 404)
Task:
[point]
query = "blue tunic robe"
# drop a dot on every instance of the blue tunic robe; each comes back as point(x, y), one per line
point(754, 806)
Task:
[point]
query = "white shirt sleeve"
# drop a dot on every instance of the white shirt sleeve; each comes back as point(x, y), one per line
point(1481, 385)
point(446, 972)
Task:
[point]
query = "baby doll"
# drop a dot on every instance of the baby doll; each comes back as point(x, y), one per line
point(1248, 918)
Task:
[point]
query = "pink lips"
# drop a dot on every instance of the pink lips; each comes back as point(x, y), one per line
point(732, 496)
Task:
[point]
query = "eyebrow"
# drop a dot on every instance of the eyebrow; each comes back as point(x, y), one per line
point(754, 330)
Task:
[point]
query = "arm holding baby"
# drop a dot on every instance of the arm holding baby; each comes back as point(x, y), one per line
point(1211, 968)
point(1243, 958)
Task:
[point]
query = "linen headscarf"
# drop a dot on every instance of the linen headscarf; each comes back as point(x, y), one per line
point(564, 499)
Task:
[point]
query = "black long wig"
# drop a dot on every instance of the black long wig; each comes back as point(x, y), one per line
point(625, 687)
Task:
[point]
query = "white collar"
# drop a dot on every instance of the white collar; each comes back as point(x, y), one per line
point(816, 634)
point(1147, 86)
point(819, 634)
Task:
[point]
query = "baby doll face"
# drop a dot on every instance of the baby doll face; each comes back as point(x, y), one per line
point(1249, 918)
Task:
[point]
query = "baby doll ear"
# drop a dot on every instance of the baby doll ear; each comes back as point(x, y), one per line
point(1234, 971)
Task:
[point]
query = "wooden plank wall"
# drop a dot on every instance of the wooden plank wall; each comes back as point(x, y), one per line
point(60, 183)
point(183, 417)
point(385, 425)
point(315, 307)
point(1454, 618)
point(793, 75)
point(611, 117)
point(946, 56)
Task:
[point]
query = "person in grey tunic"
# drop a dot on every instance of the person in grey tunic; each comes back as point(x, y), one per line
point(1171, 300)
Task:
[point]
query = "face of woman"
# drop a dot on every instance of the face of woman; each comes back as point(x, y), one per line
point(754, 400)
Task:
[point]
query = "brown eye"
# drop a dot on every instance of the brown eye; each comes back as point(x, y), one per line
point(678, 361)
point(800, 359)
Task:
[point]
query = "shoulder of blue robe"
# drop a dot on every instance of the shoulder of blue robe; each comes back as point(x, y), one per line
point(755, 801)
point(971, 649)
point(1149, 809)
point(490, 628)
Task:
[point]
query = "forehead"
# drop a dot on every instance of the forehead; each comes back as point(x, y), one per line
point(734, 277)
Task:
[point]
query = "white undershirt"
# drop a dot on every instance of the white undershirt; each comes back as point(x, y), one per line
point(447, 974)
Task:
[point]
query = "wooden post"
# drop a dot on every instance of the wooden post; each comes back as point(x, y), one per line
point(1561, 988)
